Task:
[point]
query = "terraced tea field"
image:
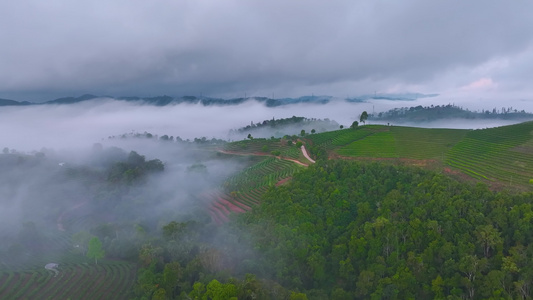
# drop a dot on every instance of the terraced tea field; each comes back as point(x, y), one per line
point(242, 192)
point(78, 278)
point(337, 138)
point(496, 154)
point(500, 155)
point(255, 146)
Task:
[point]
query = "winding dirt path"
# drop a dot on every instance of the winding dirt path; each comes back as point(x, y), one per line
point(304, 152)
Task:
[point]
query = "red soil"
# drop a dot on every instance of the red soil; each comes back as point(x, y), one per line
point(231, 206)
point(214, 217)
point(221, 207)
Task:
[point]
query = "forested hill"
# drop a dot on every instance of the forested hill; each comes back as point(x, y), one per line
point(349, 230)
point(345, 230)
point(167, 100)
point(430, 113)
point(285, 126)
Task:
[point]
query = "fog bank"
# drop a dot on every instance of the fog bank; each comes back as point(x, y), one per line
point(80, 125)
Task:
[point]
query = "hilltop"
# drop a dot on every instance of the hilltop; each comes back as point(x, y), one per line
point(378, 211)
point(501, 156)
point(438, 112)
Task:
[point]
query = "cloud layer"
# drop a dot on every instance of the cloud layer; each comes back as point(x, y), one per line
point(286, 48)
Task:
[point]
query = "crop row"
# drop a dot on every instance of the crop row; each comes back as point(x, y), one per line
point(255, 145)
point(325, 137)
point(82, 281)
point(380, 144)
point(489, 154)
point(339, 138)
point(507, 135)
point(351, 136)
point(243, 191)
point(267, 172)
point(292, 152)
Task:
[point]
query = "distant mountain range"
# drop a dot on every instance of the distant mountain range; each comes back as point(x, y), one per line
point(167, 100)
point(269, 102)
point(7, 102)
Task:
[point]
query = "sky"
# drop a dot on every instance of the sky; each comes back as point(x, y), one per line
point(464, 50)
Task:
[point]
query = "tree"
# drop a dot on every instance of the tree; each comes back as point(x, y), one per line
point(354, 125)
point(171, 276)
point(341, 127)
point(302, 133)
point(173, 230)
point(218, 291)
point(313, 131)
point(95, 249)
point(488, 237)
point(363, 117)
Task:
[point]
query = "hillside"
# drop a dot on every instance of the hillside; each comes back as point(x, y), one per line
point(255, 219)
point(499, 156)
point(168, 100)
point(439, 112)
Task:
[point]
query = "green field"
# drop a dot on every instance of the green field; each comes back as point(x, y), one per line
point(78, 278)
point(501, 155)
point(497, 154)
point(334, 139)
point(379, 144)
point(388, 142)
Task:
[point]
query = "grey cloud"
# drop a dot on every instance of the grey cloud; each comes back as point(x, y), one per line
point(188, 47)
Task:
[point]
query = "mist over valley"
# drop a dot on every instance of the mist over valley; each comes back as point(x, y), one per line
point(266, 150)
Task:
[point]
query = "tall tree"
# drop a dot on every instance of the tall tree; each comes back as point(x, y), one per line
point(363, 117)
point(95, 249)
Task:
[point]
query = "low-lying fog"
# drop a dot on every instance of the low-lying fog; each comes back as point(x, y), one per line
point(38, 141)
point(81, 125)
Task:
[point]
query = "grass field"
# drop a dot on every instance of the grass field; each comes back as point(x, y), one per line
point(501, 155)
point(497, 154)
point(396, 142)
point(78, 278)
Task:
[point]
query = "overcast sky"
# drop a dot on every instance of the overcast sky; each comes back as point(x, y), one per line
point(465, 49)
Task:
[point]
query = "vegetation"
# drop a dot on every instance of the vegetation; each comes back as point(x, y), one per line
point(76, 280)
point(501, 156)
point(401, 233)
point(95, 249)
point(363, 117)
point(281, 127)
point(429, 113)
point(278, 226)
